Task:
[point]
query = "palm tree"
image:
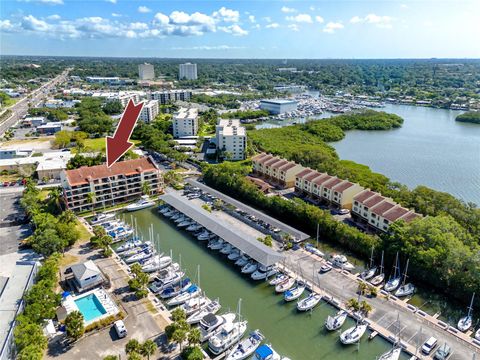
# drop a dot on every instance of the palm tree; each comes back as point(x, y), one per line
point(365, 307)
point(133, 346)
point(146, 189)
point(194, 336)
point(179, 336)
point(353, 304)
point(74, 325)
point(91, 199)
point(148, 348)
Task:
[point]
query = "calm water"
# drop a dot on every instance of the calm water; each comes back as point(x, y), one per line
point(299, 336)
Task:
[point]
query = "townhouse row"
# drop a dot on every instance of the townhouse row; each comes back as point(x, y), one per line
point(367, 207)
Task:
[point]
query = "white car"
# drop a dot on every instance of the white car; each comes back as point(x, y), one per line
point(344, 211)
point(429, 345)
point(120, 328)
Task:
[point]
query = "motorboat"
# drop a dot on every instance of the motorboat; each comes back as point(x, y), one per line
point(145, 254)
point(211, 308)
point(333, 323)
point(143, 203)
point(312, 249)
point(245, 348)
point(281, 277)
point(394, 282)
point(210, 324)
point(170, 213)
point(285, 285)
point(325, 268)
point(216, 244)
point(176, 216)
point(164, 278)
point(353, 334)
point(205, 235)
point(112, 225)
point(131, 244)
point(164, 209)
point(194, 227)
point(180, 219)
point(477, 335)
point(234, 255)
point(392, 354)
point(157, 263)
point(309, 302)
point(195, 304)
point(142, 247)
point(295, 292)
point(266, 352)
point(101, 218)
point(175, 289)
point(264, 272)
point(185, 223)
point(229, 334)
point(250, 267)
point(465, 322)
point(341, 261)
point(192, 292)
point(242, 260)
point(121, 233)
point(227, 249)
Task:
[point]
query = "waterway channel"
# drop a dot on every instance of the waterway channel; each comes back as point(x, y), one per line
point(296, 335)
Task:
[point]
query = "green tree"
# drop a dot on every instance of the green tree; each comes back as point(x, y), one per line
point(111, 357)
point(134, 356)
point(179, 336)
point(91, 199)
point(133, 346)
point(146, 188)
point(74, 325)
point(178, 314)
point(194, 336)
point(353, 304)
point(113, 107)
point(148, 348)
point(30, 352)
point(27, 333)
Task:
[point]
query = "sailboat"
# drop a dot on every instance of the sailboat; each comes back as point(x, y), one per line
point(394, 282)
point(395, 352)
point(353, 334)
point(336, 322)
point(246, 347)
point(405, 289)
point(370, 272)
point(309, 302)
point(465, 322)
point(377, 280)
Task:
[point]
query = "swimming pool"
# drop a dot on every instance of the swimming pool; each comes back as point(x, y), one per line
point(90, 307)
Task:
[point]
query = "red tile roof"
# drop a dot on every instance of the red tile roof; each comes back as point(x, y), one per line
point(278, 164)
point(395, 213)
point(271, 161)
point(265, 159)
point(364, 195)
point(288, 166)
point(374, 200)
point(343, 186)
point(410, 216)
point(314, 176)
point(331, 183)
point(88, 173)
point(304, 172)
point(382, 208)
point(258, 157)
point(322, 179)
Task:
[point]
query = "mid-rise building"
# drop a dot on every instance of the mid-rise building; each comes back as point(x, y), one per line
point(187, 71)
point(169, 96)
point(112, 80)
point(149, 111)
point(278, 106)
point(185, 122)
point(231, 138)
point(146, 71)
point(100, 186)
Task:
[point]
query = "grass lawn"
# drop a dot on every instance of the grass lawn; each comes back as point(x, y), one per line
point(68, 259)
point(84, 233)
point(99, 145)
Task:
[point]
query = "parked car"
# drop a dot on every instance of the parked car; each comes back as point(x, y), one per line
point(429, 345)
point(120, 328)
point(344, 211)
point(443, 352)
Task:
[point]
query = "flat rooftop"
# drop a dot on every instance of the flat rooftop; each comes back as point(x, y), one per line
point(279, 101)
point(185, 113)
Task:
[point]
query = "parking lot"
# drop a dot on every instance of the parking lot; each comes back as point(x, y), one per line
point(11, 228)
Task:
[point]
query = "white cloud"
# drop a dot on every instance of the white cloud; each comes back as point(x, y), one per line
point(227, 15)
point(116, 15)
point(234, 29)
point(30, 22)
point(51, 2)
point(384, 22)
point(210, 47)
point(111, 1)
point(161, 19)
point(272, 26)
point(312, 8)
point(143, 9)
point(404, 6)
point(6, 25)
point(331, 27)
point(54, 17)
point(288, 10)
point(251, 18)
point(293, 27)
point(319, 19)
point(300, 18)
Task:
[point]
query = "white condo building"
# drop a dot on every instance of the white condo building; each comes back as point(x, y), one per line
point(149, 111)
point(146, 71)
point(168, 96)
point(185, 123)
point(232, 138)
point(187, 71)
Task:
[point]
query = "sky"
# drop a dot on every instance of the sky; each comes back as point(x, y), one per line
point(242, 29)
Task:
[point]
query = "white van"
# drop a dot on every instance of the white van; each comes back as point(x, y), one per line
point(120, 328)
point(429, 345)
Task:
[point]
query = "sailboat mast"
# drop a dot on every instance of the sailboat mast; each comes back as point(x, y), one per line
point(381, 264)
point(405, 273)
point(371, 259)
point(470, 308)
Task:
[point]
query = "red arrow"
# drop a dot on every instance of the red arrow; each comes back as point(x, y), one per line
point(119, 144)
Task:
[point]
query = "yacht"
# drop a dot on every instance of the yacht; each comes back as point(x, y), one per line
point(266, 352)
point(192, 292)
point(176, 216)
point(234, 255)
point(143, 203)
point(245, 348)
point(216, 244)
point(353, 334)
point(229, 334)
point(309, 302)
point(156, 263)
point(205, 235)
point(169, 214)
point(336, 322)
point(101, 218)
point(145, 254)
point(130, 244)
point(285, 285)
point(120, 233)
point(180, 219)
point(394, 282)
point(341, 262)
point(164, 278)
point(227, 249)
point(193, 305)
point(465, 322)
point(250, 267)
point(138, 249)
point(295, 292)
point(164, 209)
point(264, 272)
point(194, 227)
point(185, 223)
point(175, 289)
point(210, 324)
point(405, 289)
point(281, 277)
point(393, 354)
point(211, 308)
point(242, 260)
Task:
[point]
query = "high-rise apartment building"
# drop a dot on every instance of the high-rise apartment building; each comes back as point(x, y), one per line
point(185, 123)
point(149, 111)
point(231, 139)
point(187, 71)
point(146, 71)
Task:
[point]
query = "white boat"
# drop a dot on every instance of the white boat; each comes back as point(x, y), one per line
point(228, 335)
point(156, 263)
point(250, 267)
point(217, 244)
point(210, 324)
point(266, 352)
point(394, 282)
point(143, 203)
point(101, 218)
point(295, 292)
point(227, 249)
point(184, 223)
point(325, 268)
point(281, 277)
point(477, 335)
point(309, 302)
point(194, 227)
point(371, 271)
point(180, 219)
point(264, 272)
point(170, 213)
point(284, 286)
point(164, 209)
point(242, 260)
point(164, 279)
point(353, 335)
point(175, 289)
point(211, 308)
point(234, 255)
point(175, 216)
point(121, 233)
point(130, 244)
point(192, 292)
point(465, 322)
point(393, 354)
point(195, 304)
point(145, 254)
point(205, 235)
point(246, 347)
point(336, 322)
point(133, 251)
point(341, 262)
point(405, 289)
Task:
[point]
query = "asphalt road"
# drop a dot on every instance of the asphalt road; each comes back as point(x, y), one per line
point(20, 108)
